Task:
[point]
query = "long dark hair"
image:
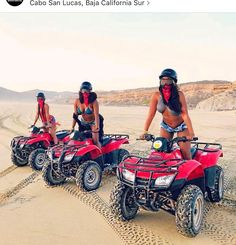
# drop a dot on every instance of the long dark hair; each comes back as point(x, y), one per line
point(91, 99)
point(173, 103)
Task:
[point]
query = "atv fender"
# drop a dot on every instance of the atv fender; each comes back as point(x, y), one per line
point(45, 143)
point(193, 173)
point(208, 158)
point(93, 151)
point(114, 145)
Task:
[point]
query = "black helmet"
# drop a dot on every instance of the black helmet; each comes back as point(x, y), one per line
point(86, 85)
point(41, 95)
point(169, 73)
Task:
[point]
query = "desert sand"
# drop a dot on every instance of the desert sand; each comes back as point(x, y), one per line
point(31, 213)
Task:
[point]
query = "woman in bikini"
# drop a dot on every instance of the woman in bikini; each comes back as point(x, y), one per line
point(48, 120)
point(170, 101)
point(86, 110)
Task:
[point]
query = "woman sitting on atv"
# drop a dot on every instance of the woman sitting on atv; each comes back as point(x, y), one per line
point(170, 101)
point(49, 121)
point(86, 111)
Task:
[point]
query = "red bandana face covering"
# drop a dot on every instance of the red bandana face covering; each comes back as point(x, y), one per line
point(166, 90)
point(40, 102)
point(86, 98)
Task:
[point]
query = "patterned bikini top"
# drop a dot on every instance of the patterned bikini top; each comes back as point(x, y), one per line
point(161, 107)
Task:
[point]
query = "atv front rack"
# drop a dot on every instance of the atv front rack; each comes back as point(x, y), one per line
point(117, 136)
point(17, 139)
point(207, 147)
point(155, 163)
point(151, 166)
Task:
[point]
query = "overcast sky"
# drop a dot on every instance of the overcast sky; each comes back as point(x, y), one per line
point(113, 51)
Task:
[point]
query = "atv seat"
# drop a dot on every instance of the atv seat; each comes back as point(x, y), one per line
point(105, 140)
point(193, 151)
point(62, 134)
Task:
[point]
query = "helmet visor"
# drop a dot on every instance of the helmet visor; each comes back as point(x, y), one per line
point(166, 80)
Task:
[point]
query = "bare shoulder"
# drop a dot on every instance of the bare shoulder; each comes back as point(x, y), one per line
point(181, 94)
point(155, 96)
point(46, 105)
point(76, 102)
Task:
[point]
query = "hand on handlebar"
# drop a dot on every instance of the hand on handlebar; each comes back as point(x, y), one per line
point(142, 136)
point(146, 136)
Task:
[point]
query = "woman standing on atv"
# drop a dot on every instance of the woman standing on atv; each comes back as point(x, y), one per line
point(170, 101)
point(48, 120)
point(86, 110)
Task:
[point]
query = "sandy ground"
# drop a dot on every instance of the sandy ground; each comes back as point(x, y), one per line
point(31, 213)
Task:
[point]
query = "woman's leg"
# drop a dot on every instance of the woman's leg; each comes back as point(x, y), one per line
point(185, 146)
point(95, 136)
point(53, 134)
point(165, 134)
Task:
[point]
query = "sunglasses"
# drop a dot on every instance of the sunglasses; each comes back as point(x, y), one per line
point(168, 81)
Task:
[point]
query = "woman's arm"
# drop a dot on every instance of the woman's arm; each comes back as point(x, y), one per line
point(36, 116)
point(185, 114)
point(96, 114)
point(152, 112)
point(46, 107)
point(75, 113)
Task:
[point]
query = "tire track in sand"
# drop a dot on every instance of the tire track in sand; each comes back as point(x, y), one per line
point(7, 170)
point(129, 232)
point(14, 190)
point(219, 224)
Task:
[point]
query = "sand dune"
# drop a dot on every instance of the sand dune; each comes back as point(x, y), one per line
point(31, 213)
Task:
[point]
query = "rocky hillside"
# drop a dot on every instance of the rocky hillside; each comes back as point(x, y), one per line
point(195, 93)
point(219, 102)
point(207, 95)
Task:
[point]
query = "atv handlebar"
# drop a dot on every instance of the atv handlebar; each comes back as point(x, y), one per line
point(151, 137)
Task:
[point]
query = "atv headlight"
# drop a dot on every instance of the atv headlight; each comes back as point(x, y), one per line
point(68, 157)
point(164, 181)
point(22, 145)
point(128, 175)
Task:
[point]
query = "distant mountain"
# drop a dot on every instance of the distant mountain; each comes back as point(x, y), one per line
point(200, 95)
point(30, 96)
point(195, 92)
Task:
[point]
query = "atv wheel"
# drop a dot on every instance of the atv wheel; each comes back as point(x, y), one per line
point(50, 177)
point(216, 194)
point(122, 154)
point(18, 162)
point(37, 159)
point(88, 176)
point(122, 202)
point(189, 211)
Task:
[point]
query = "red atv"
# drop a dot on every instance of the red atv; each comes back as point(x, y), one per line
point(31, 149)
point(165, 181)
point(83, 160)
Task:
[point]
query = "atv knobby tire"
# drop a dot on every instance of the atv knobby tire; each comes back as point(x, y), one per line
point(122, 154)
point(89, 176)
point(50, 177)
point(37, 159)
point(122, 202)
point(216, 194)
point(16, 161)
point(189, 211)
